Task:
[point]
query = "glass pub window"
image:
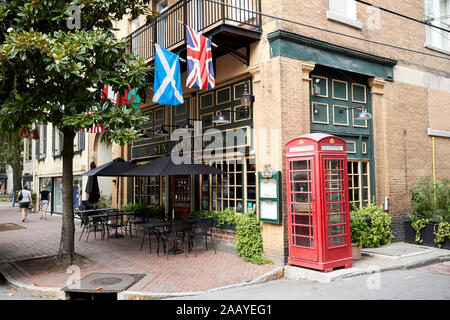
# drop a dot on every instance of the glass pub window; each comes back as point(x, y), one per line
point(147, 190)
point(358, 183)
point(233, 190)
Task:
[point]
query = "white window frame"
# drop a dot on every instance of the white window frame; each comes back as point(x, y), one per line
point(436, 39)
point(196, 9)
point(240, 15)
point(135, 44)
point(161, 23)
point(344, 11)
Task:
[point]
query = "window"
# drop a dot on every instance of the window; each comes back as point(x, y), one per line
point(28, 149)
point(161, 26)
point(79, 139)
point(196, 15)
point(240, 10)
point(358, 183)
point(344, 11)
point(42, 146)
point(148, 190)
point(236, 189)
point(135, 40)
point(437, 13)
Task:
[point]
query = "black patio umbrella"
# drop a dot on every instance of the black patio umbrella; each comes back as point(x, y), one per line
point(165, 166)
point(114, 168)
point(92, 187)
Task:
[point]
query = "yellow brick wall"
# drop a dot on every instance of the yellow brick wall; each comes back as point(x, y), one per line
point(403, 110)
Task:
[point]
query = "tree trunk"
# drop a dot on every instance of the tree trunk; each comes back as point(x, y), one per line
point(67, 248)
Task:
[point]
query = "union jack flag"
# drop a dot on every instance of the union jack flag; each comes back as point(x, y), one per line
point(200, 72)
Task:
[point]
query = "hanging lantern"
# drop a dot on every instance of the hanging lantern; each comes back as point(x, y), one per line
point(25, 132)
point(35, 134)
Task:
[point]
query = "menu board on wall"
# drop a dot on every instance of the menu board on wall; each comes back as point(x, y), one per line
point(269, 198)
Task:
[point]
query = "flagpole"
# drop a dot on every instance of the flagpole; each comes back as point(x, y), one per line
point(212, 43)
point(181, 59)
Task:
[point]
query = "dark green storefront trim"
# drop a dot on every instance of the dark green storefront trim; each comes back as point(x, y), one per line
point(291, 45)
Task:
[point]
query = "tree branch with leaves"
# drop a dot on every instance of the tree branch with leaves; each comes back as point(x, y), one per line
point(52, 74)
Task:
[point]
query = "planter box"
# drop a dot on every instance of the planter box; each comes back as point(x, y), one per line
point(225, 225)
point(427, 235)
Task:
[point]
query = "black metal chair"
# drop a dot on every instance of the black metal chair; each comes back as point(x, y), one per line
point(89, 225)
point(202, 229)
point(139, 218)
point(155, 231)
point(175, 232)
point(114, 221)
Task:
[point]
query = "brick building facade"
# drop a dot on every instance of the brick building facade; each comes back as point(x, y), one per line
point(357, 55)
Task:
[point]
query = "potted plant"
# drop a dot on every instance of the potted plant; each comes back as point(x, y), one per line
point(428, 224)
point(358, 228)
point(370, 227)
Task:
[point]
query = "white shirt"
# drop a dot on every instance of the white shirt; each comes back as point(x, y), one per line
point(26, 196)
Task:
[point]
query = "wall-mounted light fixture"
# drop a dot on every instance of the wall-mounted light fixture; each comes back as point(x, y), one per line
point(362, 115)
point(246, 99)
point(316, 87)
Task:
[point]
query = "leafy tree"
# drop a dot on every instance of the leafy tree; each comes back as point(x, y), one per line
point(53, 73)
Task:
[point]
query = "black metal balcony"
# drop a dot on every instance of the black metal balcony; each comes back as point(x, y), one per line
point(231, 24)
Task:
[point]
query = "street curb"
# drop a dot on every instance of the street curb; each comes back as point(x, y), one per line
point(137, 295)
point(44, 291)
point(324, 278)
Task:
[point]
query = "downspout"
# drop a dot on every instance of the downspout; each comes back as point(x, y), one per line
point(434, 167)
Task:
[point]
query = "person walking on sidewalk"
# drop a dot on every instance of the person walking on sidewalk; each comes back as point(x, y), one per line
point(43, 201)
point(25, 200)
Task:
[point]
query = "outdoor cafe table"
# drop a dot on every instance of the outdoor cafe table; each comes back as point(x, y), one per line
point(159, 227)
point(104, 218)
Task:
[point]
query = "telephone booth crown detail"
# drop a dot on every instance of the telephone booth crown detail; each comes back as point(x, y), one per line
point(317, 201)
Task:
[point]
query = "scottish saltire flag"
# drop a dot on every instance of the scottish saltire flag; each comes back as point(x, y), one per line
point(200, 72)
point(167, 84)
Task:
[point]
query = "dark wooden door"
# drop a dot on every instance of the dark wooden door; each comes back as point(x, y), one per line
point(181, 196)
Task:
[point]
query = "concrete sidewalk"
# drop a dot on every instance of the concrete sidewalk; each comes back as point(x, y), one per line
point(396, 256)
point(177, 276)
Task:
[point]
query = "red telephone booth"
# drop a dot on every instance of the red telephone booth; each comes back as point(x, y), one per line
point(317, 200)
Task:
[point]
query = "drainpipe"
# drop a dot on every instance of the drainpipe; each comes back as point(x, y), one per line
point(434, 168)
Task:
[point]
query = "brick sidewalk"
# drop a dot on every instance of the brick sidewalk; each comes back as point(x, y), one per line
point(176, 275)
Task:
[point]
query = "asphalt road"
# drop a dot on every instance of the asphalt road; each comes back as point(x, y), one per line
point(427, 283)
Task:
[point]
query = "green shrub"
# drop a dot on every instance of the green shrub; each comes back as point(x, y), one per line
point(249, 244)
point(442, 233)
point(431, 203)
point(105, 201)
point(358, 228)
point(371, 226)
point(431, 200)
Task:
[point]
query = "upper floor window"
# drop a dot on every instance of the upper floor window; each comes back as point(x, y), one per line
point(437, 13)
point(135, 42)
point(344, 11)
point(28, 143)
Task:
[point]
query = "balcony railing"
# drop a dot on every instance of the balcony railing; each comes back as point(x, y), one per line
point(201, 15)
